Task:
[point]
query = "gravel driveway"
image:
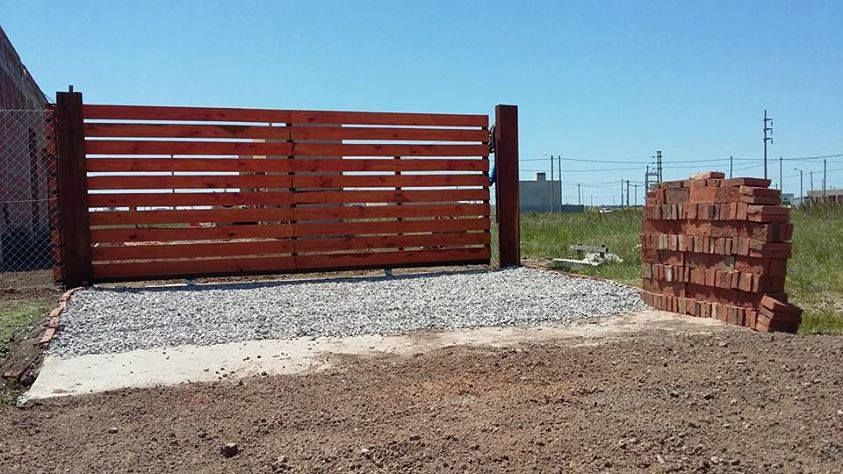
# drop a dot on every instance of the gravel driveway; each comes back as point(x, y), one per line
point(102, 320)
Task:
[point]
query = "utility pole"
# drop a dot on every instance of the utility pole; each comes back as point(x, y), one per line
point(635, 199)
point(801, 195)
point(647, 179)
point(781, 183)
point(812, 183)
point(552, 192)
point(767, 138)
point(579, 195)
point(621, 193)
point(824, 180)
point(731, 163)
point(627, 193)
point(659, 165)
point(561, 183)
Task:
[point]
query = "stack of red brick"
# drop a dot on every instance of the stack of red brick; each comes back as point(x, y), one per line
point(718, 248)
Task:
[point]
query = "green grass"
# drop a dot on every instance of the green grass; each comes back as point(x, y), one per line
point(15, 318)
point(549, 235)
point(815, 272)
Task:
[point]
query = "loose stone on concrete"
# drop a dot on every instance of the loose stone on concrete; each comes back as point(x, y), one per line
point(108, 320)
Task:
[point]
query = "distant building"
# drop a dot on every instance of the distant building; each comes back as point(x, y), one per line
point(788, 198)
point(542, 195)
point(831, 196)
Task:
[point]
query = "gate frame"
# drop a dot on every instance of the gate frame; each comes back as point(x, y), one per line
point(71, 177)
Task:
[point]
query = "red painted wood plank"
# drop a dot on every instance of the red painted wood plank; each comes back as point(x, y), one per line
point(187, 182)
point(283, 165)
point(381, 181)
point(157, 130)
point(130, 147)
point(278, 247)
point(318, 197)
point(147, 130)
point(190, 199)
point(304, 149)
point(222, 114)
point(280, 231)
point(391, 259)
point(391, 227)
point(159, 147)
point(175, 251)
point(228, 232)
point(103, 218)
point(170, 269)
point(152, 112)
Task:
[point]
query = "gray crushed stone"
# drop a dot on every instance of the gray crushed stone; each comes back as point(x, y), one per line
point(106, 320)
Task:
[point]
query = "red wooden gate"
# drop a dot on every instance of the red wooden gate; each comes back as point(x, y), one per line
point(185, 191)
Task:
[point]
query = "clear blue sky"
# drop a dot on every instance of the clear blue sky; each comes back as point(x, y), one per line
point(599, 80)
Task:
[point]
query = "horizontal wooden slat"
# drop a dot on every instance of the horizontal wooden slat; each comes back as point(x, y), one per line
point(152, 112)
point(392, 259)
point(170, 251)
point(188, 182)
point(392, 241)
point(305, 149)
point(228, 232)
point(231, 232)
point(102, 218)
point(165, 269)
point(387, 118)
point(445, 195)
point(132, 147)
point(190, 199)
point(390, 133)
point(391, 227)
point(282, 198)
point(282, 214)
point(145, 130)
point(282, 165)
point(276, 247)
point(148, 130)
point(287, 181)
point(381, 181)
point(140, 112)
point(392, 211)
point(129, 147)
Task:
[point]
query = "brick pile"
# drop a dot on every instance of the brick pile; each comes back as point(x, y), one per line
point(718, 248)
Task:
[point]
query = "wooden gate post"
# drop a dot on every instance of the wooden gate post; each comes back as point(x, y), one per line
point(73, 190)
point(507, 205)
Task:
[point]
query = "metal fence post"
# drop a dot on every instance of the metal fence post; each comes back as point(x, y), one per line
point(506, 189)
point(73, 190)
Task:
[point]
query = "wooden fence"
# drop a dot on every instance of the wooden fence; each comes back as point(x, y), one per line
point(160, 192)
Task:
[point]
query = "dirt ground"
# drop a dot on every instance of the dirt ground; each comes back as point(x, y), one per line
point(726, 401)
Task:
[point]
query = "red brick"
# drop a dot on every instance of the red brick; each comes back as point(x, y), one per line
point(768, 316)
point(703, 195)
point(765, 200)
point(677, 195)
point(778, 306)
point(759, 182)
point(708, 175)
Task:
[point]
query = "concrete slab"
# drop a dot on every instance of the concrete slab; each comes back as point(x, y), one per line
point(190, 363)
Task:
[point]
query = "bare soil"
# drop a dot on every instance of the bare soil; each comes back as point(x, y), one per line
point(728, 401)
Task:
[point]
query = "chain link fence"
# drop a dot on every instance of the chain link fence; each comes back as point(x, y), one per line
point(27, 189)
